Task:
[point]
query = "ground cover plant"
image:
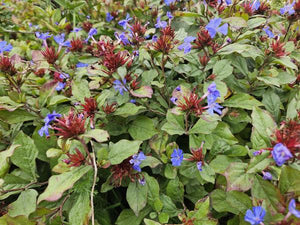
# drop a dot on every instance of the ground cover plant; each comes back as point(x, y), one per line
point(149, 112)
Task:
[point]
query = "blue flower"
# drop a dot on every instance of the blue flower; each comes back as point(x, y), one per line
point(60, 39)
point(281, 154)
point(289, 8)
point(60, 86)
point(213, 27)
point(199, 166)
point(142, 181)
point(44, 130)
point(124, 23)
point(255, 5)
point(137, 160)
point(186, 46)
point(133, 101)
point(76, 29)
point(80, 64)
point(109, 17)
point(43, 36)
point(119, 86)
point(212, 96)
point(154, 38)
point(4, 47)
point(215, 107)
point(169, 15)
point(268, 32)
point(174, 100)
point(122, 37)
point(50, 117)
point(228, 2)
point(255, 217)
point(267, 175)
point(177, 157)
point(92, 32)
point(292, 208)
point(178, 88)
point(168, 2)
point(160, 24)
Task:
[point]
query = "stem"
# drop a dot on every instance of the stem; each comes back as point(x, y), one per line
point(85, 148)
point(24, 188)
point(93, 186)
point(287, 216)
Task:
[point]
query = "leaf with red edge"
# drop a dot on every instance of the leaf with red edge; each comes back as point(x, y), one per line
point(143, 92)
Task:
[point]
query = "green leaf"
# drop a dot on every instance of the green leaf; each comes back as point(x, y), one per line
point(259, 163)
point(207, 173)
point(223, 131)
point(153, 193)
point(237, 150)
point(142, 128)
point(25, 204)
point(80, 90)
point(233, 201)
point(272, 103)
point(4, 159)
point(174, 124)
point(79, 213)
point(151, 222)
point(57, 99)
point(19, 220)
point(263, 123)
point(7, 104)
point(221, 163)
point(12, 182)
point(151, 162)
point(175, 190)
point(58, 184)
point(127, 216)
point(285, 61)
point(148, 76)
point(24, 156)
point(17, 116)
point(122, 150)
point(236, 23)
point(128, 109)
point(242, 100)
point(292, 108)
point(222, 69)
point(289, 180)
point(265, 190)
point(237, 178)
point(136, 196)
point(244, 49)
point(97, 134)
point(256, 22)
point(205, 126)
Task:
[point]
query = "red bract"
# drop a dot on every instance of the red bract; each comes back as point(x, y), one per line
point(109, 108)
point(76, 45)
point(87, 26)
point(197, 154)
point(135, 84)
point(68, 28)
point(168, 31)
point(50, 54)
point(6, 66)
point(76, 159)
point(163, 44)
point(278, 49)
point(123, 170)
point(203, 60)
point(190, 103)
point(212, 3)
point(103, 48)
point(289, 135)
point(203, 39)
point(138, 32)
point(70, 126)
point(90, 107)
point(263, 8)
point(248, 7)
point(112, 61)
point(297, 8)
point(40, 72)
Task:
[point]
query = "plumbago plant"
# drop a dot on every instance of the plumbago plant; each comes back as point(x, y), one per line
point(149, 112)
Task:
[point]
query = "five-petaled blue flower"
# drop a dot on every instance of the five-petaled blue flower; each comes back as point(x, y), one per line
point(168, 2)
point(212, 96)
point(80, 64)
point(199, 166)
point(119, 86)
point(4, 47)
point(109, 17)
point(122, 37)
point(281, 153)
point(228, 2)
point(177, 157)
point(267, 175)
point(92, 32)
point(137, 160)
point(214, 26)
point(124, 23)
point(289, 8)
point(76, 29)
point(169, 15)
point(160, 24)
point(292, 208)
point(269, 32)
point(186, 45)
point(48, 119)
point(43, 36)
point(60, 39)
point(255, 217)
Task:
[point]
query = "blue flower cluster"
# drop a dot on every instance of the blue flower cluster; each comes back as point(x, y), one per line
point(48, 119)
point(212, 96)
point(137, 160)
point(4, 47)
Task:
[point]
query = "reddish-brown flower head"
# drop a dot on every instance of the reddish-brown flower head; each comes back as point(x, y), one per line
point(103, 48)
point(50, 54)
point(87, 26)
point(197, 154)
point(122, 171)
point(109, 108)
point(203, 39)
point(90, 107)
point(68, 28)
point(203, 60)
point(263, 8)
point(164, 44)
point(112, 61)
point(168, 31)
point(70, 126)
point(40, 72)
point(76, 159)
point(76, 45)
point(138, 31)
point(6, 66)
point(191, 103)
point(278, 49)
